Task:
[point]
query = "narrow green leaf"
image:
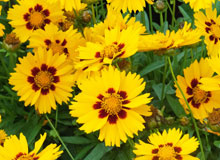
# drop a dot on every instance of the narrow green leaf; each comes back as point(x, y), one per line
point(175, 106)
point(76, 140)
point(151, 67)
point(98, 152)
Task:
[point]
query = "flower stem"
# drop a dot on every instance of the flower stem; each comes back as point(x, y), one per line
point(164, 78)
point(161, 18)
point(151, 21)
point(174, 11)
point(194, 122)
point(93, 14)
point(56, 117)
point(67, 150)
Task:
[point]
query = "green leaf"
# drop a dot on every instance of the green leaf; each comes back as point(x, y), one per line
point(76, 140)
point(84, 151)
point(217, 144)
point(143, 18)
point(175, 106)
point(98, 152)
point(151, 67)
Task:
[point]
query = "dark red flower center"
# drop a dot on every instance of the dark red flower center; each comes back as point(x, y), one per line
point(213, 29)
point(167, 152)
point(36, 17)
point(25, 156)
point(57, 46)
point(43, 78)
point(111, 105)
point(111, 51)
point(198, 95)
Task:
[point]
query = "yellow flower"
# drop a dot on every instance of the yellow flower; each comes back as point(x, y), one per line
point(212, 83)
point(129, 5)
point(115, 19)
point(57, 40)
point(17, 149)
point(42, 80)
point(209, 26)
point(3, 137)
point(201, 102)
point(2, 27)
point(162, 42)
point(29, 16)
point(115, 44)
point(69, 5)
point(112, 104)
point(196, 5)
point(167, 146)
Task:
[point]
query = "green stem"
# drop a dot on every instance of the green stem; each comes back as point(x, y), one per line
point(194, 122)
point(93, 14)
point(171, 11)
point(164, 78)
point(56, 117)
point(161, 18)
point(151, 21)
point(166, 15)
point(11, 61)
point(174, 12)
point(67, 150)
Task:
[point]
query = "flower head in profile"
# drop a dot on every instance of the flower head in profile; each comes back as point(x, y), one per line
point(129, 5)
point(196, 5)
point(28, 16)
point(171, 40)
point(17, 149)
point(42, 80)
point(167, 146)
point(112, 104)
point(209, 26)
point(115, 19)
point(69, 5)
point(114, 44)
point(57, 40)
point(201, 101)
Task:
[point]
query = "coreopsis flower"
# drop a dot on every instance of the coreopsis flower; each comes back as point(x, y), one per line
point(57, 40)
point(3, 137)
point(201, 102)
point(17, 149)
point(115, 19)
point(69, 5)
point(2, 27)
point(42, 80)
point(115, 44)
point(167, 146)
point(28, 16)
point(171, 40)
point(196, 5)
point(212, 83)
point(129, 5)
point(209, 26)
point(112, 104)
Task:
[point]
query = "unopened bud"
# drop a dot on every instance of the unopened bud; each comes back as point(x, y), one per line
point(86, 16)
point(11, 42)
